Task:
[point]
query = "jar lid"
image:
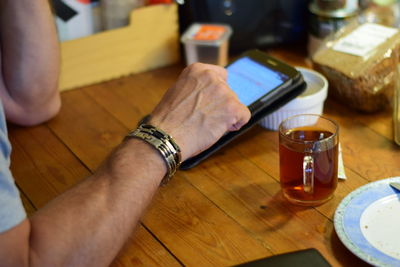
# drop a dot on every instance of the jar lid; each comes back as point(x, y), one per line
point(345, 12)
point(208, 34)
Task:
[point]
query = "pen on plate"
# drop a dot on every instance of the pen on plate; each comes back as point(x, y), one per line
point(395, 186)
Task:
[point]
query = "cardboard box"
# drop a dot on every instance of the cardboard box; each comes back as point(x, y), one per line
point(150, 41)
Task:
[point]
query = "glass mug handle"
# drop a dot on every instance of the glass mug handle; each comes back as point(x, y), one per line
point(308, 174)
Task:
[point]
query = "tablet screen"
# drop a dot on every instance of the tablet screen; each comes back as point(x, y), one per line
point(251, 80)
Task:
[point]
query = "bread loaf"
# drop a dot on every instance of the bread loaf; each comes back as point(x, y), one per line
point(367, 82)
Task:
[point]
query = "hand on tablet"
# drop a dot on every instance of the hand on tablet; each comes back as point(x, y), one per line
point(199, 109)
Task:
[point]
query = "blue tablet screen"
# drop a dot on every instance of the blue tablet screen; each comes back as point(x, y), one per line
point(250, 80)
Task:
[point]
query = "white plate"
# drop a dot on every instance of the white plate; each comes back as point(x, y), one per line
point(367, 221)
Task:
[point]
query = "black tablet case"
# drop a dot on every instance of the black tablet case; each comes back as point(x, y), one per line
point(302, 258)
point(291, 93)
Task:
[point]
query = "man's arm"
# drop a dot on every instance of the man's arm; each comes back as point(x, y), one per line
point(87, 225)
point(29, 60)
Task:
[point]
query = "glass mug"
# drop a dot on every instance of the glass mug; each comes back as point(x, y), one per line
point(308, 158)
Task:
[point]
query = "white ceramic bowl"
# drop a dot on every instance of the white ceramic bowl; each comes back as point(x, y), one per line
point(309, 102)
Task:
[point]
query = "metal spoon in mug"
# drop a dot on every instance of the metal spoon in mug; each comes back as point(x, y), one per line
point(395, 186)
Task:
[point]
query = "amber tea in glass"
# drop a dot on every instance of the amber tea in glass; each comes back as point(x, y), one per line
point(308, 154)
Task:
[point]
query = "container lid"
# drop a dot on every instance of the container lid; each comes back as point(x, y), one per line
point(345, 12)
point(315, 93)
point(207, 34)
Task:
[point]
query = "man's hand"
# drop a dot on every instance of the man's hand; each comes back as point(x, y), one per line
point(199, 109)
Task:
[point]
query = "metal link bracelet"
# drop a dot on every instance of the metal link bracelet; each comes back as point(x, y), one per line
point(164, 143)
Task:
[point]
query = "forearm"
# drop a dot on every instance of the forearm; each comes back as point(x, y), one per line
point(30, 60)
point(89, 224)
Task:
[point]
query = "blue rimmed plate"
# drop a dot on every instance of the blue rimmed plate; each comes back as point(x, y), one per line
point(367, 221)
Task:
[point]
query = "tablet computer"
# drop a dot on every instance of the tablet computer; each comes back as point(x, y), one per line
point(262, 83)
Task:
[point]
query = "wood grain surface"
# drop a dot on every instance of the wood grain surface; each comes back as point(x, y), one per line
point(226, 211)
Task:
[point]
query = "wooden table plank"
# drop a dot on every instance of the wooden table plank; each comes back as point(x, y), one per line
point(42, 166)
point(380, 122)
point(130, 98)
point(142, 249)
point(365, 151)
point(196, 231)
point(87, 129)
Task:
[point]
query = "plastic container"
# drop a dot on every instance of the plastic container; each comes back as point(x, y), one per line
point(116, 13)
point(309, 102)
point(76, 24)
point(207, 43)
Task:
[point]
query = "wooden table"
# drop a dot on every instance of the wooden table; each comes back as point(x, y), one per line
point(226, 211)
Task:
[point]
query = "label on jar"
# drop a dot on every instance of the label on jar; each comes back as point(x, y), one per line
point(364, 39)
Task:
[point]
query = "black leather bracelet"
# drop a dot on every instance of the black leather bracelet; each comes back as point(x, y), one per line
point(164, 143)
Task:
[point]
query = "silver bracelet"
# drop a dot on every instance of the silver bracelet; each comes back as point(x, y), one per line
point(164, 143)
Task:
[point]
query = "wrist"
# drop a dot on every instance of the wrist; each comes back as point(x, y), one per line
point(174, 130)
point(143, 157)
